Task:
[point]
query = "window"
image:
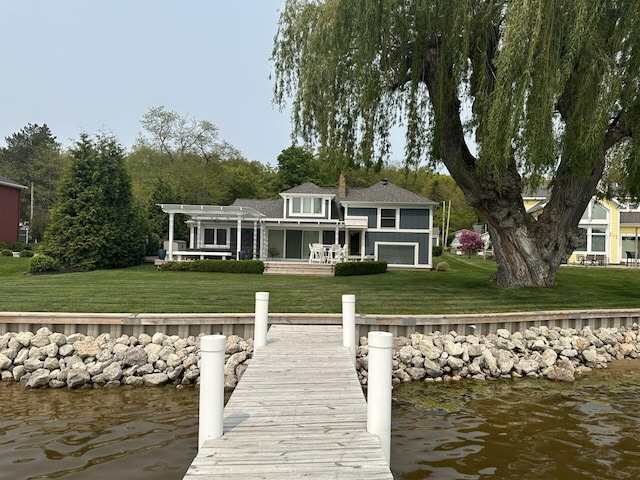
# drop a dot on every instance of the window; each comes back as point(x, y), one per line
point(387, 218)
point(306, 205)
point(215, 236)
point(397, 253)
point(595, 211)
point(594, 239)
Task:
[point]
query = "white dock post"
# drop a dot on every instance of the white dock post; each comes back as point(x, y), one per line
point(211, 421)
point(349, 324)
point(262, 320)
point(379, 388)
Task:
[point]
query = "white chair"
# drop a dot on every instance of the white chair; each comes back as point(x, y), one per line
point(316, 254)
point(333, 253)
point(342, 255)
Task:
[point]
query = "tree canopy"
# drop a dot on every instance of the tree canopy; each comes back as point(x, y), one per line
point(94, 223)
point(32, 157)
point(506, 94)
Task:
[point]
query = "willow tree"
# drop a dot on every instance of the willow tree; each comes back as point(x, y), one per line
point(505, 94)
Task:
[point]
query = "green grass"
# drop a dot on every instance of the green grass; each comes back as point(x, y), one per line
point(464, 288)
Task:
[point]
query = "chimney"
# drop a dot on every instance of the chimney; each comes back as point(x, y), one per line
point(342, 186)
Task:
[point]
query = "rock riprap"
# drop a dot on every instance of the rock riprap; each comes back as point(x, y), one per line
point(554, 353)
point(50, 359)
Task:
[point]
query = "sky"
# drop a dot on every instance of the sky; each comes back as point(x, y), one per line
point(99, 65)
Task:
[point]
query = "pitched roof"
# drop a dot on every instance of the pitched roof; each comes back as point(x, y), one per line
point(384, 192)
point(269, 208)
point(312, 188)
point(10, 183)
point(630, 218)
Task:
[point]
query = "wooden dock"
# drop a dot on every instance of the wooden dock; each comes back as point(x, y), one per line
point(298, 412)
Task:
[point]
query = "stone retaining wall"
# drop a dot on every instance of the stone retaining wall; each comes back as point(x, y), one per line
point(48, 359)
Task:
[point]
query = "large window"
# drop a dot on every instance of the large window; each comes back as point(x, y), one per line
point(397, 253)
point(215, 237)
point(306, 206)
point(387, 218)
point(594, 239)
point(595, 222)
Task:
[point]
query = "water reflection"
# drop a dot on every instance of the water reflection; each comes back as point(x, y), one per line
point(99, 434)
point(502, 430)
point(523, 430)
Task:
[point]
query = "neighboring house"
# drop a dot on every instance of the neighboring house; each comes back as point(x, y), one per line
point(611, 228)
point(381, 222)
point(9, 210)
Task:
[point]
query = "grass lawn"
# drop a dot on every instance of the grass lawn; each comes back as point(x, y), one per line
point(464, 288)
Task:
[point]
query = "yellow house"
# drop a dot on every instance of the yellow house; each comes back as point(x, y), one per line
point(611, 229)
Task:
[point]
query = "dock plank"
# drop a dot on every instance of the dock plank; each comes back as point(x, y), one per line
point(298, 412)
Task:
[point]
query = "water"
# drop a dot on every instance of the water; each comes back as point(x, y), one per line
point(124, 433)
point(470, 430)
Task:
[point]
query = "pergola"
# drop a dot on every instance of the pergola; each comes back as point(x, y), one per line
point(210, 213)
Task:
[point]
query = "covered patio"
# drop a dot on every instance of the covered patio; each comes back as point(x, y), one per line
point(215, 231)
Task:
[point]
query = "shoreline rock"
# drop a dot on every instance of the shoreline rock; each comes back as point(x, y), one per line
point(49, 359)
point(54, 360)
point(554, 353)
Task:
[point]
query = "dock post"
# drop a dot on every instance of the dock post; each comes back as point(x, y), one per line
point(262, 320)
point(211, 421)
point(379, 388)
point(349, 324)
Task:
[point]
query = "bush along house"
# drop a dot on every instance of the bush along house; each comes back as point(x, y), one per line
point(309, 223)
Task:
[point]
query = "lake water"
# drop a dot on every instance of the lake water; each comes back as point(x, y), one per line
point(468, 430)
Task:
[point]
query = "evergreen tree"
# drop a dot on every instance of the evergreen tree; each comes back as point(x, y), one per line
point(94, 223)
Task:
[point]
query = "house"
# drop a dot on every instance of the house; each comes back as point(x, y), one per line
point(381, 222)
point(9, 210)
point(611, 228)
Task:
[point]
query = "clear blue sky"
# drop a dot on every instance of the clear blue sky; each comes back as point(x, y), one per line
point(90, 65)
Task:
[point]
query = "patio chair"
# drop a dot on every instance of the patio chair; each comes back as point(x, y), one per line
point(333, 253)
point(316, 253)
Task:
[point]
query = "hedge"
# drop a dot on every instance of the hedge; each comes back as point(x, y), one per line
point(220, 266)
point(346, 269)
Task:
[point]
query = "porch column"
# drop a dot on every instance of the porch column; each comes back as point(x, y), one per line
point(239, 238)
point(255, 238)
point(171, 223)
point(191, 236)
point(362, 245)
point(199, 236)
point(337, 238)
point(263, 250)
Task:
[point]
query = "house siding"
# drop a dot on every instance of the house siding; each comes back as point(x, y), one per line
point(9, 214)
point(414, 219)
point(370, 213)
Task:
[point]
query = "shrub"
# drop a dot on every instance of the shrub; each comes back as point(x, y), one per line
point(436, 250)
point(346, 269)
point(6, 252)
point(43, 263)
point(26, 253)
point(17, 246)
point(442, 267)
point(220, 266)
point(471, 242)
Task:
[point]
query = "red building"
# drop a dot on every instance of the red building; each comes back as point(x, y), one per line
point(9, 210)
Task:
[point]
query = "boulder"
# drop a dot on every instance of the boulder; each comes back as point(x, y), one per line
point(155, 379)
